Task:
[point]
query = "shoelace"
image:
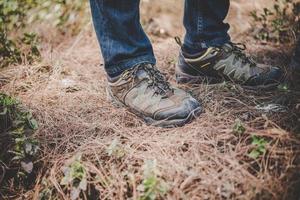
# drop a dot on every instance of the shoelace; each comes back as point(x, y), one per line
point(238, 49)
point(156, 80)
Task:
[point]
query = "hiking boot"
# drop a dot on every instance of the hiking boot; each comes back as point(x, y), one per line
point(146, 93)
point(228, 62)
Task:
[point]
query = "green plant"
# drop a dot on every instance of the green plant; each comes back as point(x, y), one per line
point(279, 23)
point(47, 192)
point(17, 44)
point(152, 185)
point(19, 148)
point(69, 15)
point(115, 149)
point(259, 147)
point(238, 127)
point(6, 105)
point(8, 51)
point(284, 87)
point(75, 177)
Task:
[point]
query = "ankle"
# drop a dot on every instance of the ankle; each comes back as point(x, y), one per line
point(189, 52)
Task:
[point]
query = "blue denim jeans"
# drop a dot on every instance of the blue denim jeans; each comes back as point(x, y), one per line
point(124, 44)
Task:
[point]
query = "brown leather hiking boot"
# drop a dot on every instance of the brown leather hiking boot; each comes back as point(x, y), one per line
point(146, 93)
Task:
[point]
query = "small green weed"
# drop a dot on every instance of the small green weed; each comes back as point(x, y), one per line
point(47, 191)
point(238, 127)
point(284, 87)
point(75, 177)
point(152, 186)
point(259, 147)
point(115, 149)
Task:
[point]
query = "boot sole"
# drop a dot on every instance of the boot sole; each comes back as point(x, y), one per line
point(182, 78)
point(152, 122)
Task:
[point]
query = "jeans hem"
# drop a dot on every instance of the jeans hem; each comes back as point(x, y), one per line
point(120, 67)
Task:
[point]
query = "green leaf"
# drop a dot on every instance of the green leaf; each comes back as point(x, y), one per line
point(33, 124)
point(238, 127)
point(21, 174)
point(254, 154)
point(116, 149)
point(283, 87)
point(152, 186)
point(4, 112)
point(259, 147)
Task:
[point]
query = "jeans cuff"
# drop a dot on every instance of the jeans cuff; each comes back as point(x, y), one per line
point(220, 41)
point(119, 68)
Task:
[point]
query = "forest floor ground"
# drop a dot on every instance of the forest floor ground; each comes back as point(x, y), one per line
point(202, 160)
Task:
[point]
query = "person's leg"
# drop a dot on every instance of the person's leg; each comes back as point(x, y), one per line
point(123, 42)
point(203, 21)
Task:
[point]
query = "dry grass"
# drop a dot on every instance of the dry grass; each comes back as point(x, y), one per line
point(203, 160)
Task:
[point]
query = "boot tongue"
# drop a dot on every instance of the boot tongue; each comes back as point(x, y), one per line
point(142, 74)
point(228, 46)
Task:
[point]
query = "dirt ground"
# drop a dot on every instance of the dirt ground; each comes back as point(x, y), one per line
point(203, 160)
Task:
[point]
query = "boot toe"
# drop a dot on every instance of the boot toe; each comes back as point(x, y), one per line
point(274, 76)
point(187, 109)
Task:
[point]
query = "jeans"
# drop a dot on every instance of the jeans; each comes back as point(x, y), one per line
point(124, 44)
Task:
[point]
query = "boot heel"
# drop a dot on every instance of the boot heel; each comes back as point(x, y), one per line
point(110, 97)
